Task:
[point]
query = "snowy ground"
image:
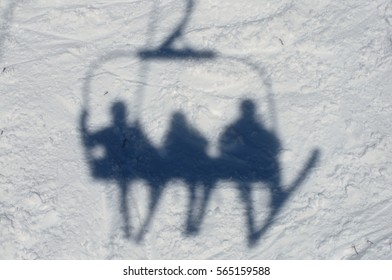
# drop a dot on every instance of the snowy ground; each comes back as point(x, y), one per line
point(318, 74)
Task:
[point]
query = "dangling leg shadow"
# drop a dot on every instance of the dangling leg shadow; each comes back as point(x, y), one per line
point(124, 209)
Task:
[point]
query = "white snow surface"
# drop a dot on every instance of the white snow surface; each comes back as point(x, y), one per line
point(318, 72)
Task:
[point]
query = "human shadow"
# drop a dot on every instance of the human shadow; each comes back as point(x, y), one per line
point(122, 153)
point(185, 151)
point(249, 153)
point(167, 50)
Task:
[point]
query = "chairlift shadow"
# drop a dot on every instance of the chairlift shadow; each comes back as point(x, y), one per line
point(248, 151)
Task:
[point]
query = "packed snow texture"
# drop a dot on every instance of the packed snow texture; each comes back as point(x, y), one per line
point(314, 77)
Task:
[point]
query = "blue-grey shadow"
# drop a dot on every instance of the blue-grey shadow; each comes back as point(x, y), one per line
point(249, 153)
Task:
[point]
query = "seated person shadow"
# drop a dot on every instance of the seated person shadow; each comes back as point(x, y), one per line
point(185, 151)
point(126, 155)
point(248, 154)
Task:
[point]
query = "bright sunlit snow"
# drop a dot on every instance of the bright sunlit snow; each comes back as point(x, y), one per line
point(195, 129)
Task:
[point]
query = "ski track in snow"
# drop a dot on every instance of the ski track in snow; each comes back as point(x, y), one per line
point(318, 72)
